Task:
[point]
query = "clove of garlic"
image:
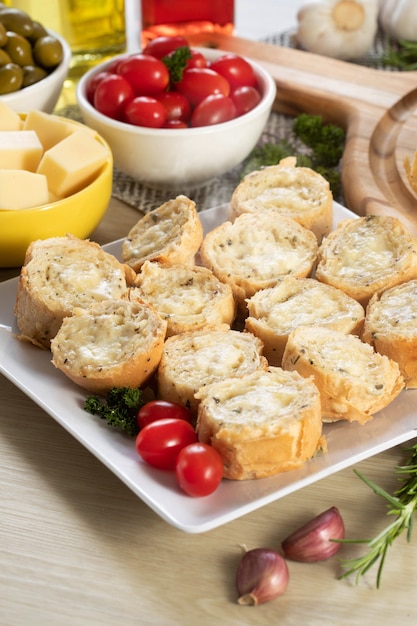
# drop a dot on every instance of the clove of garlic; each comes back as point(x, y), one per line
point(313, 541)
point(262, 575)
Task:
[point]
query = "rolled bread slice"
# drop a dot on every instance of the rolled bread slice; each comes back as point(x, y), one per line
point(194, 359)
point(297, 192)
point(255, 251)
point(61, 273)
point(354, 381)
point(275, 312)
point(188, 298)
point(391, 327)
point(263, 423)
point(113, 343)
point(367, 255)
point(171, 233)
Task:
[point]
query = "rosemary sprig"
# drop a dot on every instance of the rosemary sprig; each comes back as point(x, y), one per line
point(402, 504)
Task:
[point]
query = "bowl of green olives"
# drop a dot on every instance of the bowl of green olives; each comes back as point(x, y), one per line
point(34, 62)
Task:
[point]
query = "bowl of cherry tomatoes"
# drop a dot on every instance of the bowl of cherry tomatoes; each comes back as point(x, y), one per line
point(175, 115)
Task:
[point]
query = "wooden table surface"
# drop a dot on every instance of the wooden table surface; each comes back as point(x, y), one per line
point(78, 548)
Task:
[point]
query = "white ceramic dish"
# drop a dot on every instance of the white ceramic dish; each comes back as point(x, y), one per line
point(167, 158)
point(44, 94)
point(30, 370)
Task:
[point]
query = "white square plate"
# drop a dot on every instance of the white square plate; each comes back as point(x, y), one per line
point(31, 371)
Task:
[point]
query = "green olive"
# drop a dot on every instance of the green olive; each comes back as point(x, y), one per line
point(32, 74)
point(4, 58)
point(11, 78)
point(17, 21)
point(38, 31)
point(48, 51)
point(19, 49)
point(3, 35)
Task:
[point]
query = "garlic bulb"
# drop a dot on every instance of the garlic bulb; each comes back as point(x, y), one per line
point(343, 29)
point(398, 18)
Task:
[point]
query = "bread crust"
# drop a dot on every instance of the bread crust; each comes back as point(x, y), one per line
point(188, 298)
point(354, 381)
point(195, 359)
point(255, 251)
point(262, 424)
point(367, 255)
point(171, 233)
point(114, 343)
point(391, 327)
point(59, 274)
point(294, 302)
point(296, 192)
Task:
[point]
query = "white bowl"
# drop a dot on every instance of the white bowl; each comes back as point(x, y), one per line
point(44, 94)
point(176, 157)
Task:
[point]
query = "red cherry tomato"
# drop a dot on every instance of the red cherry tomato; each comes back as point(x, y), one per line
point(197, 59)
point(176, 106)
point(214, 109)
point(199, 82)
point(160, 442)
point(199, 469)
point(145, 111)
point(111, 96)
point(161, 409)
point(235, 69)
point(162, 46)
point(147, 75)
point(92, 84)
point(245, 99)
point(175, 124)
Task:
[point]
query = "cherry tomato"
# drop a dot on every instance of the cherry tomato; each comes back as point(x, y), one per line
point(160, 409)
point(145, 111)
point(175, 124)
point(147, 75)
point(111, 96)
point(176, 106)
point(199, 469)
point(92, 84)
point(235, 69)
point(197, 59)
point(162, 46)
point(214, 109)
point(245, 98)
point(160, 442)
point(199, 82)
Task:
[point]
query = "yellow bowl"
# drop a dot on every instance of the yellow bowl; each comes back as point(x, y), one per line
point(78, 215)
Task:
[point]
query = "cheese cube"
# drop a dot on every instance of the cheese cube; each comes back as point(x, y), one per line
point(73, 163)
point(49, 128)
point(9, 119)
point(20, 150)
point(20, 189)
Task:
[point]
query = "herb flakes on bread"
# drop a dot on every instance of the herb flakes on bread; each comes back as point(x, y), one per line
point(284, 189)
point(171, 233)
point(391, 327)
point(354, 381)
point(366, 255)
point(114, 343)
point(255, 251)
point(262, 424)
point(59, 274)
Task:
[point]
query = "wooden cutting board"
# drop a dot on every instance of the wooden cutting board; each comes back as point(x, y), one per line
point(377, 108)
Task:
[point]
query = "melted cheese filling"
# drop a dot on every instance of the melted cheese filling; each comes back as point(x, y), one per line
point(212, 357)
point(396, 312)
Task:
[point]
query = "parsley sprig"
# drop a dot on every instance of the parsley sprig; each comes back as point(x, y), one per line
point(119, 408)
point(402, 504)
